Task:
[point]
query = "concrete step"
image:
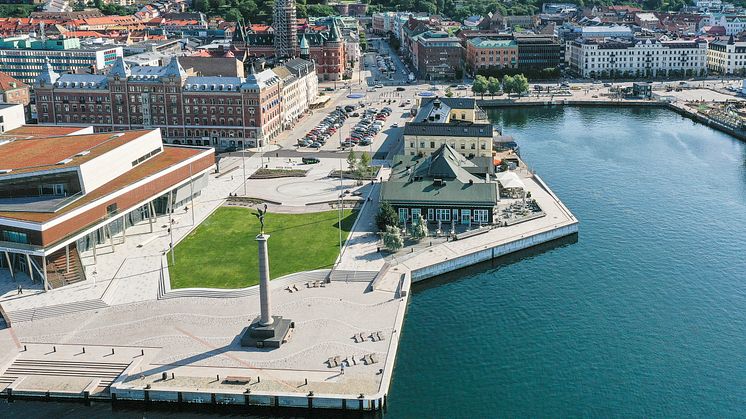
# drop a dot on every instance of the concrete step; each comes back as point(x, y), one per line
point(352, 276)
point(54, 310)
point(300, 277)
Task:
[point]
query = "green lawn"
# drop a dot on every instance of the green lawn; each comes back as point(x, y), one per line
point(222, 251)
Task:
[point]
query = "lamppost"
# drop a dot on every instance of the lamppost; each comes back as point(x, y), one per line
point(339, 207)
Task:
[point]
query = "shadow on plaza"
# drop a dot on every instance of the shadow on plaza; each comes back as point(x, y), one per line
point(495, 264)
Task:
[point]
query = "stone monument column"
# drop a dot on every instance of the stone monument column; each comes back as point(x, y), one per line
point(264, 300)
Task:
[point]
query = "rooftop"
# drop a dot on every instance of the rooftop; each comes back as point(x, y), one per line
point(170, 156)
point(440, 179)
point(33, 154)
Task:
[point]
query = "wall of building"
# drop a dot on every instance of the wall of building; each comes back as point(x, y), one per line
point(11, 116)
point(149, 189)
point(468, 146)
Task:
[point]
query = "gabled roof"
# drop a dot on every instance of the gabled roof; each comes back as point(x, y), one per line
point(120, 68)
point(9, 83)
point(47, 75)
point(438, 180)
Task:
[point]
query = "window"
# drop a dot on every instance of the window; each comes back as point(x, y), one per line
point(481, 216)
point(415, 214)
point(111, 209)
point(442, 214)
point(430, 214)
point(402, 215)
point(15, 236)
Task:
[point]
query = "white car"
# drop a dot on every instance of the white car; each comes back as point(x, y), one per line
point(378, 86)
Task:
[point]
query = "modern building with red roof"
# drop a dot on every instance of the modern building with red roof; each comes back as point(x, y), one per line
point(66, 191)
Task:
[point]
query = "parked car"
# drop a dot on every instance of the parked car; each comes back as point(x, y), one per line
point(394, 125)
point(315, 144)
point(400, 89)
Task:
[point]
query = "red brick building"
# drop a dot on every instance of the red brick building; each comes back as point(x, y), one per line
point(325, 48)
point(222, 112)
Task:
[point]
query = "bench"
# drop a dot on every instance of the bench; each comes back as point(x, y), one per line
point(234, 379)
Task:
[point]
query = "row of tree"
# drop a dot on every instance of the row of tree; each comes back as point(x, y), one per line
point(258, 11)
point(517, 84)
point(388, 224)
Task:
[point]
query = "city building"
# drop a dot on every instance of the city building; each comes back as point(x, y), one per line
point(286, 29)
point(601, 32)
point(295, 90)
point(443, 187)
point(325, 48)
point(222, 112)
point(23, 58)
point(64, 193)
point(457, 122)
point(727, 56)
point(439, 56)
point(594, 58)
point(484, 53)
point(12, 116)
point(733, 24)
point(537, 52)
point(14, 91)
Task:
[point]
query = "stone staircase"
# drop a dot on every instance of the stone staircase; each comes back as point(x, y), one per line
point(53, 310)
point(106, 372)
point(57, 272)
point(353, 276)
point(301, 277)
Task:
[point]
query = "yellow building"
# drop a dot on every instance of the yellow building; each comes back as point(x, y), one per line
point(457, 122)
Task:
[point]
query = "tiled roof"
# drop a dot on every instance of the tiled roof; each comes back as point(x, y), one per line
point(9, 83)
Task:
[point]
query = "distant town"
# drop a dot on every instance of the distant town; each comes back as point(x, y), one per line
point(227, 203)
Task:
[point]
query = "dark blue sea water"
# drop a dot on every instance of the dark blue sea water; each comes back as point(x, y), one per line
point(643, 314)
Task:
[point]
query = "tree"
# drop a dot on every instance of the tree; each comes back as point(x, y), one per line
point(386, 216)
point(419, 228)
point(363, 165)
point(216, 4)
point(233, 15)
point(392, 239)
point(449, 92)
point(508, 84)
point(520, 84)
point(480, 85)
point(199, 5)
point(351, 159)
point(321, 10)
point(493, 85)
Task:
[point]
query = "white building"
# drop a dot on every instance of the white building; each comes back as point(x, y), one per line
point(727, 57)
point(299, 89)
point(600, 32)
point(733, 24)
point(591, 58)
point(12, 116)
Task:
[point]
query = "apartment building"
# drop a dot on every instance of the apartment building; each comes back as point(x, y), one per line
point(727, 56)
point(222, 112)
point(23, 58)
point(484, 53)
point(650, 58)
